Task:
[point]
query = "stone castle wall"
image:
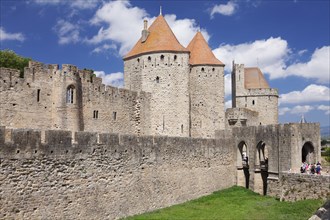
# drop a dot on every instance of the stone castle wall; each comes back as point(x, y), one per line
point(44, 175)
point(165, 76)
point(206, 86)
point(298, 186)
point(263, 101)
point(39, 101)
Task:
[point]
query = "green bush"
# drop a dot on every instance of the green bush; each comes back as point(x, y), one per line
point(326, 154)
point(9, 59)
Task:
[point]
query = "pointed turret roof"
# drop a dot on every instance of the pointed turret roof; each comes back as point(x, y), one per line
point(200, 52)
point(160, 38)
point(254, 79)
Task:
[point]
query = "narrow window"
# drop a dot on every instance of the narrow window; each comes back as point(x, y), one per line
point(202, 69)
point(157, 79)
point(69, 94)
point(181, 129)
point(163, 123)
point(114, 116)
point(138, 60)
point(38, 95)
point(162, 57)
point(96, 114)
point(252, 102)
point(213, 69)
point(175, 57)
point(149, 58)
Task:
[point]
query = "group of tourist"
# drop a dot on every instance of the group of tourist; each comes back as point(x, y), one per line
point(311, 168)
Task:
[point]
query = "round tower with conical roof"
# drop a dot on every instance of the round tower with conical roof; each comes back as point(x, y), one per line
point(206, 86)
point(159, 64)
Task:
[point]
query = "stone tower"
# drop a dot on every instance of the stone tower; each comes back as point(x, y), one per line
point(67, 99)
point(159, 64)
point(250, 90)
point(206, 86)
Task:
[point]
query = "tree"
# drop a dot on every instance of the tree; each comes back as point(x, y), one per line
point(9, 59)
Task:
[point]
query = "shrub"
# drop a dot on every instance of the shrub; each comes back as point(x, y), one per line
point(9, 59)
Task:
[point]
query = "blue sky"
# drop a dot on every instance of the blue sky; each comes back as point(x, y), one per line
point(288, 40)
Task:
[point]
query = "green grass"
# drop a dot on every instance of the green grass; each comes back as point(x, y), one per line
point(236, 203)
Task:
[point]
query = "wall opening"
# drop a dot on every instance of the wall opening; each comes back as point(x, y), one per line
point(307, 153)
point(38, 95)
point(175, 57)
point(261, 164)
point(96, 114)
point(252, 102)
point(70, 94)
point(181, 129)
point(157, 79)
point(202, 69)
point(149, 58)
point(162, 57)
point(114, 116)
point(243, 165)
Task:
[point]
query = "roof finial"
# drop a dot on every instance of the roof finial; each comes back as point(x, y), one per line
point(160, 10)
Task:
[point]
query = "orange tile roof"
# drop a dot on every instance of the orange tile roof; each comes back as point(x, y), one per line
point(254, 79)
point(200, 52)
point(161, 38)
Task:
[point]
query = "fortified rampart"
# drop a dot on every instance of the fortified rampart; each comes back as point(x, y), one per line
point(106, 176)
point(299, 186)
point(69, 99)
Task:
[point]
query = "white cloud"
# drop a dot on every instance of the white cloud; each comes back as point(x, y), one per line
point(67, 32)
point(114, 79)
point(284, 110)
point(325, 108)
point(312, 93)
point(77, 4)
point(227, 85)
point(269, 55)
point(10, 36)
point(272, 55)
point(301, 109)
point(224, 9)
point(228, 104)
point(184, 29)
point(318, 67)
point(122, 24)
point(104, 47)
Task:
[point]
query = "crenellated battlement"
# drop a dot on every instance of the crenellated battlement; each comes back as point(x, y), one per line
point(30, 143)
point(263, 91)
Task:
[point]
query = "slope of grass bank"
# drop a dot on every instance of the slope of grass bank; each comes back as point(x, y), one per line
point(236, 203)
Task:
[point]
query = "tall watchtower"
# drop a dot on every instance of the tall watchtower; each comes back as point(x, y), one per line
point(251, 90)
point(206, 87)
point(159, 64)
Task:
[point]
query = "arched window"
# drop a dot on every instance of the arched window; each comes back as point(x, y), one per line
point(253, 102)
point(149, 58)
point(69, 94)
point(162, 57)
point(202, 69)
point(175, 57)
point(157, 79)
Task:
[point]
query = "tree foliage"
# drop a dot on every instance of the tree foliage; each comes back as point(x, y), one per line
point(10, 59)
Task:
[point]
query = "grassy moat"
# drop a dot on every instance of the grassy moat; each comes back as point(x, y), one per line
point(236, 203)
